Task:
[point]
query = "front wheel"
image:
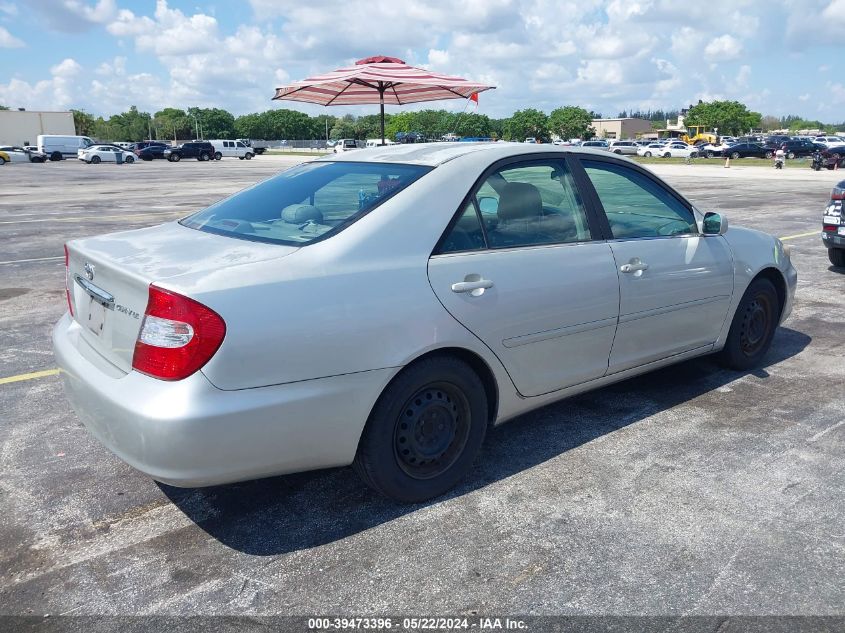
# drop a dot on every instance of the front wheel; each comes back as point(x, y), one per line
point(753, 326)
point(667, 155)
point(790, 155)
point(175, 158)
point(2, 161)
point(203, 157)
point(836, 257)
point(770, 155)
point(217, 155)
point(56, 156)
point(128, 160)
point(248, 156)
point(735, 155)
point(710, 154)
point(95, 160)
point(647, 154)
point(424, 431)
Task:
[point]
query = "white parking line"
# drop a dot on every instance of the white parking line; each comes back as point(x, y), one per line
point(34, 259)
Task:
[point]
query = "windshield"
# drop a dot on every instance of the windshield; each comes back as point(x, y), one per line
point(306, 203)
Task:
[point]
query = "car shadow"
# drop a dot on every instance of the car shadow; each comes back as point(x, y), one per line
point(294, 512)
point(837, 269)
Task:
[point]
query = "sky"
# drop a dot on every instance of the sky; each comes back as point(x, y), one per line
point(778, 57)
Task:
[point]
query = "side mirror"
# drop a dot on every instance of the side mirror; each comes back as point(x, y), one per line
point(488, 205)
point(714, 224)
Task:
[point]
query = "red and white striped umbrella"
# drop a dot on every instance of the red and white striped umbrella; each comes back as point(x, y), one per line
point(379, 80)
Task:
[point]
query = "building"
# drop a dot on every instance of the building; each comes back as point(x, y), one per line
point(21, 127)
point(621, 128)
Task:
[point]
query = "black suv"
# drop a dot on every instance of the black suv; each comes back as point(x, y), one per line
point(201, 150)
point(833, 226)
point(798, 148)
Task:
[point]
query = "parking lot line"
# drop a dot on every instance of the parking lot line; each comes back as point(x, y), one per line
point(30, 376)
point(795, 237)
point(34, 259)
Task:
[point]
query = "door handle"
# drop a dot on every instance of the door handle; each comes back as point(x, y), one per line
point(476, 286)
point(635, 265)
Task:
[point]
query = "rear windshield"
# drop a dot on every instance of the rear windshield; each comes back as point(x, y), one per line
point(306, 203)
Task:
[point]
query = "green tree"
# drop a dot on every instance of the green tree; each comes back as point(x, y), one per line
point(83, 122)
point(251, 126)
point(731, 117)
point(401, 122)
point(174, 123)
point(2, 107)
point(473, 124)
point(214, 122)
point(571, 122)
point(527, 123)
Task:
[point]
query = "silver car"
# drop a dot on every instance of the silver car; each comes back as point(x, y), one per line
point(624, 147)
point(384, 308)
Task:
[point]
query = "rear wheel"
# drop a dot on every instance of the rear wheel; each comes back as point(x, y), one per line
point(56, 156)
point(769, 154)
point(647, 154)
point(753, 326)
point(217, 155)
point(129, 160)
point(248, 156)
point(735, 155)
point(424, 431)
point(203, 156)
point(95, 160)
point(175, 158)
point(2, 161)
point(617, 151)
point(790, 155)
point(836, 257)
point(667, 155)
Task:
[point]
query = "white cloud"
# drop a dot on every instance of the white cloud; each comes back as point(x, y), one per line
point(722, 49)
point(7, 40)
point(8, 8)
point(74, 16)
point(57, 93)
point(804, 97)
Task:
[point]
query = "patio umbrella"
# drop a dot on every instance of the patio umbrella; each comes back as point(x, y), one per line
point(379, 80)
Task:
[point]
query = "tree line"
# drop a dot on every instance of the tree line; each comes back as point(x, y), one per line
point(568, 122)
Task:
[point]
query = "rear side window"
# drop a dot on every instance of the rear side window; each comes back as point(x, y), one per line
point(306, 203)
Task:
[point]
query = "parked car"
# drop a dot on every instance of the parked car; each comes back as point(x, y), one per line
point(624, 147)
point(596, 144)
point(800, 149)
point(58, 146)
point(745, 150)
point(678, 150)
point(97, 154)
point(151, 151)
point(652, 149)
point(258, 147)
point(19, 154)
point(201, 150)
point(345, 145)
point(833, 226)
point(834, 156)
point(830, 141)
point(234, 149)
point(385, 308)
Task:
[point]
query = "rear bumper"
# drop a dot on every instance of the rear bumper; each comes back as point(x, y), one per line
point(189, 433)
point(832, 240)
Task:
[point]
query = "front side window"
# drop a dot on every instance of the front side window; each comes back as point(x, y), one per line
point(306, 203)
point(635, 205)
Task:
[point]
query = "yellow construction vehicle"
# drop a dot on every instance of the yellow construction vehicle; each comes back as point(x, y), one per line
point(697, 133)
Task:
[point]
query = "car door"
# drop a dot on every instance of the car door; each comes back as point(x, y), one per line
point(675, 284)
point(519, 267)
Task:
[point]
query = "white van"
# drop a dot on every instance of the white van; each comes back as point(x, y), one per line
point(345, 145)
point(376, 142)
point(58, 147)
point(231, 148)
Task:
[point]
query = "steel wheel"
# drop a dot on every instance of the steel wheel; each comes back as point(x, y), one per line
point(431, 432)
point(753, 326)
point(756, 322)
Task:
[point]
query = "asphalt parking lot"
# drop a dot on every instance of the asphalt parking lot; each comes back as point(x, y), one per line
point(693, 490)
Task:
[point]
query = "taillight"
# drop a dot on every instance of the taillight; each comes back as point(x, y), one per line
point(830, 228)
point(838, 193)
point(178, 336)
point(67, 283)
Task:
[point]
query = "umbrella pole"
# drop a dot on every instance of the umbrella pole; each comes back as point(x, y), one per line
point(381, 102)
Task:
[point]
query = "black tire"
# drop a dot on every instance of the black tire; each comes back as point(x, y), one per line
point(95, 160)
point(248, 156)
point(710, 154)
point(203, 157)
point(217, 155)
point(56, 156)
point(836, 257)
point(2, 161)
point(128, 160)
point(240, 157)
point(753, 326)
point(735, 155)
point(667, 155)
point(174, 158)
point(770, 154)
point(647, 154)
point(790, 155)
point(424, 431)
point(617, 151)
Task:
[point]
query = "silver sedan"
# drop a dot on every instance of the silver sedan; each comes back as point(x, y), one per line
point(384, 307)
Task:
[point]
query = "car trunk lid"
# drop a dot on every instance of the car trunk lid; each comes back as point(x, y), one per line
point(109, 277)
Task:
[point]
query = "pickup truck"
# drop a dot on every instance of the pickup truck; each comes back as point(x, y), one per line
point(201, 150)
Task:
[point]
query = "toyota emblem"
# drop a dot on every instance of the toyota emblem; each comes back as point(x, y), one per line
point(89, 271)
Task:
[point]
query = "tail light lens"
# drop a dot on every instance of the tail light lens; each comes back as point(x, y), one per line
point(178, 336)
point(838, 193)
point(67, 283)
point(830, 228)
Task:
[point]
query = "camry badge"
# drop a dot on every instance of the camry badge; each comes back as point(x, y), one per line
point(89, 271)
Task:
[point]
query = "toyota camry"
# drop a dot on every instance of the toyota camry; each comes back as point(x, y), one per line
point(383, 308)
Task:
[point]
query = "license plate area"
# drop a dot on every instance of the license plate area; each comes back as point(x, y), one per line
point(95, 319)
point(841, 230)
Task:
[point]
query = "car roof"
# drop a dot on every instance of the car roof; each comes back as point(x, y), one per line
point(433, 154)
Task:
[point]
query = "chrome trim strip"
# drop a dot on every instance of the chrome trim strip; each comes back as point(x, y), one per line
point(96, 293)
point(626, 318)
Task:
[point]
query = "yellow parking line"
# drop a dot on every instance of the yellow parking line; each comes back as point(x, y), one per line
point(32, 376)
point(795, 237)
